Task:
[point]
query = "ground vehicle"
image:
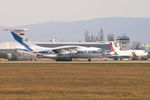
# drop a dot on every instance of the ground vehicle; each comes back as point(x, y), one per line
point(3, 60)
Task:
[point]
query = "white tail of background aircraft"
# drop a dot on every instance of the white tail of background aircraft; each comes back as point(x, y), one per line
point(114, 48)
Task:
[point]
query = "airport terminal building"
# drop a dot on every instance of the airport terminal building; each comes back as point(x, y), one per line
point(104, 45)
point(10, 47)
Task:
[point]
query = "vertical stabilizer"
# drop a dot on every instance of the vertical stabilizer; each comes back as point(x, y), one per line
point(20, 37)
point(113, 47)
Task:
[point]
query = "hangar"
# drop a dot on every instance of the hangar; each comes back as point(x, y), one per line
point(104, 45)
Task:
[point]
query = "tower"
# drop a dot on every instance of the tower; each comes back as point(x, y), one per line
point(123, 42)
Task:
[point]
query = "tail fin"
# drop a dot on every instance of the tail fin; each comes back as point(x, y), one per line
point(113, 47)
point(20, 37)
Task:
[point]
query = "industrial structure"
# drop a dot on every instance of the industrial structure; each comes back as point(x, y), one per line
point(94, 38)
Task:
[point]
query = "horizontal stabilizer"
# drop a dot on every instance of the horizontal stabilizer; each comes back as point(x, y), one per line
point(16, 30)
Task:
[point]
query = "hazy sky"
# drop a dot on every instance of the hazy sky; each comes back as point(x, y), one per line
point(22, 12)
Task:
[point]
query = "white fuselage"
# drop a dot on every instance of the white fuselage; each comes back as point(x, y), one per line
point(130, 53)
point(79, 52)
point(117, 53)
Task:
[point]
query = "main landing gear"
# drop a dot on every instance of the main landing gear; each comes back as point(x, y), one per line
point(89, 59)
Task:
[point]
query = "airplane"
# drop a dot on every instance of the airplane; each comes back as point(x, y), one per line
point(62, 53)
point(116, 53)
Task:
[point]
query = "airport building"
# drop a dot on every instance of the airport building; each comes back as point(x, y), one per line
point(123, 42)
point(9, 48)
point(147, 48)
point(104, 45)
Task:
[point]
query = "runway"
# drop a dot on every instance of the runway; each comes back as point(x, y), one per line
point(101, 61)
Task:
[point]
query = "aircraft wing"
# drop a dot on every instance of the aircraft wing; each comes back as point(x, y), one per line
point(66, 48)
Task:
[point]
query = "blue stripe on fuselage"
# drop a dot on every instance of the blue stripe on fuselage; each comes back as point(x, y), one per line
point(90, 52)
point(20, 40)
point(46, 52)
point(78, 52)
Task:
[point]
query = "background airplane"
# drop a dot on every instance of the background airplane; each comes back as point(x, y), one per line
point(59, 53)
point(116, 53)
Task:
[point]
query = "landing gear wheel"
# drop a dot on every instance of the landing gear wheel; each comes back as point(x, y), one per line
point(115, 59)
point(89, 59)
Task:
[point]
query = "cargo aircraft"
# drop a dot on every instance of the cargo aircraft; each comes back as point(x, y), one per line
point(116, 53)
point(62, 53)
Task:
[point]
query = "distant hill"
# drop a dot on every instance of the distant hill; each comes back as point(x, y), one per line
point(137, 28)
